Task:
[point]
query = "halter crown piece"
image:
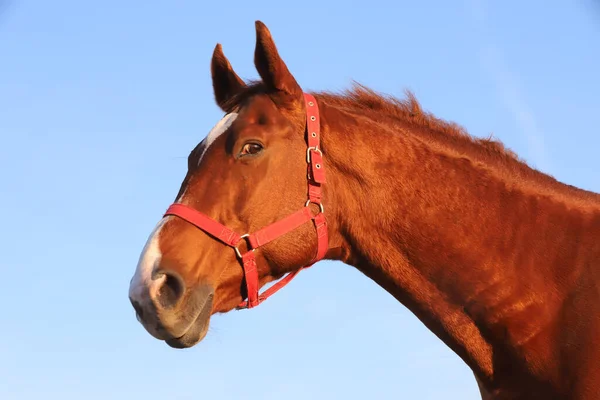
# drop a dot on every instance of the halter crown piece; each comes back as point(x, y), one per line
point(315, 177)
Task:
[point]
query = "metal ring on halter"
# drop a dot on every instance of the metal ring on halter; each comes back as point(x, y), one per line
point(315, 149)
point(237, 251)
point(319, 204)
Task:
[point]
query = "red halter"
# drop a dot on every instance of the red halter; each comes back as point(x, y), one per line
point(316, 177)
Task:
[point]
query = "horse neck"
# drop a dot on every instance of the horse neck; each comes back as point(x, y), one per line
point(484, 262)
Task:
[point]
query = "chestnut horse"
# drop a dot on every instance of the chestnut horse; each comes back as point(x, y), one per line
point(500, 261)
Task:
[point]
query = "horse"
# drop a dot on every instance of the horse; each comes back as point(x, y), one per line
point(499, 260)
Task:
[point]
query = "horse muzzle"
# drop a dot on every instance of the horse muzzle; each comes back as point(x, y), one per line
point(172, 312)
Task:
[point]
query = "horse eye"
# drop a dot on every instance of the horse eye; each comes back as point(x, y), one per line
point(251, 149)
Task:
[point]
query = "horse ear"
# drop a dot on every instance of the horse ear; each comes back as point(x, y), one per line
point(270, 66)
point(226, 83)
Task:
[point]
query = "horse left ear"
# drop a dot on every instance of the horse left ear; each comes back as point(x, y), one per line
point(226, 83)
point(270, 66)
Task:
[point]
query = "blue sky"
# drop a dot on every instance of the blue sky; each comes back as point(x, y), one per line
point(100, 103)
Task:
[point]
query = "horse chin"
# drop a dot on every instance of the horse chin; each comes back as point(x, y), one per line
point(195, 333)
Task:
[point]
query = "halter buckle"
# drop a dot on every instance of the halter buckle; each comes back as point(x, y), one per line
point(315, 149)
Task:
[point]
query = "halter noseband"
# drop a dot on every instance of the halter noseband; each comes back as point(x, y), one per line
point(315, 177)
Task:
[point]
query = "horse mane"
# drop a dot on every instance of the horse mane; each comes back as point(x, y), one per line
point(486, 152)
point(408, 110)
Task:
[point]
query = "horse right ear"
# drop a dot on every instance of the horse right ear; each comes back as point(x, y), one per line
point(226, 83)
point(270, 65)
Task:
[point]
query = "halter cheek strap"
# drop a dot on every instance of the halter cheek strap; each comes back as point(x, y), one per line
point(315, 178)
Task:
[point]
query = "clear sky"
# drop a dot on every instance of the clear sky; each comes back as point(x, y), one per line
point(100, 104)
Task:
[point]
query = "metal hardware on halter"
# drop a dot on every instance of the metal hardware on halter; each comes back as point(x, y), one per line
point(237, 250)
point(321, 207)
point(316, 150)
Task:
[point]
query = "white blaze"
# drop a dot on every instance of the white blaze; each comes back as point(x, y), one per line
point(217, 131)
point(149, 259)
point(140, 288)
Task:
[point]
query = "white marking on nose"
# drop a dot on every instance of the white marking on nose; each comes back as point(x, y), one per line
point(140, 287)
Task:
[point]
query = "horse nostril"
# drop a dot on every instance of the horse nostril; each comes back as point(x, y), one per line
point(172, 289)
